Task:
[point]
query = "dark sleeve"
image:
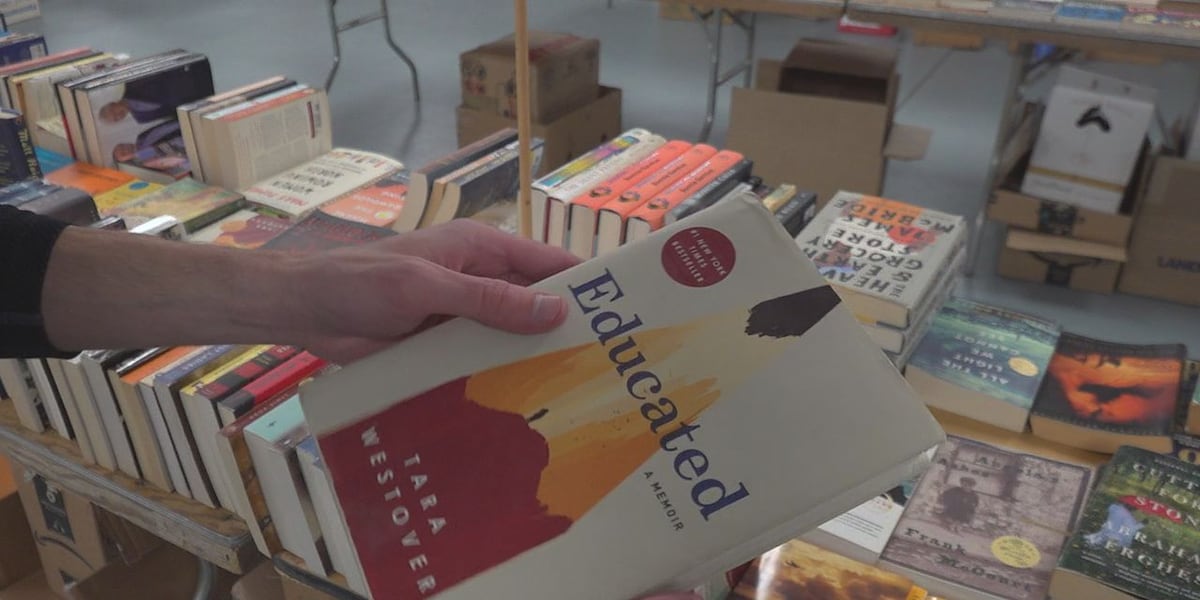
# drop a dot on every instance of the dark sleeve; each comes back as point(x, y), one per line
point(26, 241)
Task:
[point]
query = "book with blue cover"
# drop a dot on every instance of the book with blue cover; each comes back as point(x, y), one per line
point(983, 362)
point(1093, 13)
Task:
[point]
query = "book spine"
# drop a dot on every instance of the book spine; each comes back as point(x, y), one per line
point(654, 211)
point(712, 191)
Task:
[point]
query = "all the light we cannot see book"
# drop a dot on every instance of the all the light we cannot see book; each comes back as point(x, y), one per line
point(708, 398)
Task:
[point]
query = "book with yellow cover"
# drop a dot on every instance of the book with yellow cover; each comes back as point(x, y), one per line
point(108, 202)
point(647, 435)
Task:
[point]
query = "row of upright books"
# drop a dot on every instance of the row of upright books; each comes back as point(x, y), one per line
point(1146, 17)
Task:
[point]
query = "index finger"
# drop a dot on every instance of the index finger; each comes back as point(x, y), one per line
point(494, 253)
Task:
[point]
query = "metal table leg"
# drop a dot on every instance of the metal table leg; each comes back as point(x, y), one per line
point(747, 22)
point(204, 580)
point(336, 29)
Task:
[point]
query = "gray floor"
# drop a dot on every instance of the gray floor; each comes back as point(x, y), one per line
point(661, 67)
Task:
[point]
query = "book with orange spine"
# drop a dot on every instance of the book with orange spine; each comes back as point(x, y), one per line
point(610, 232)
point(585, 209)
point(651, 215)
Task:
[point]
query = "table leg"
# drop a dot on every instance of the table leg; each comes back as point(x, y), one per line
point(748, 23)
point(1016, 77)
point(387, 32)
point(204, 580)
point(337, 45)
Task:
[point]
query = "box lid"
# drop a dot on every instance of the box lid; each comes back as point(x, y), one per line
point(1037, 242)
point(832, 56)
point(542, 45)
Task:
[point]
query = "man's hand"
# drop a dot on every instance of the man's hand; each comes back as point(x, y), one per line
point(116, 290)
point(358, 300)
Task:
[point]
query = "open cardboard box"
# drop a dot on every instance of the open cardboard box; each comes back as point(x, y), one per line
point(822, 119)
point(565, 138)
point(1164, 252)
point(1062, 261)
point(1009, 205)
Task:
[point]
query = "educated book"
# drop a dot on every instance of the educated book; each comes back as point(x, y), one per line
point(1137, 537)
point(1101, 395)
point(983, 362)
point(985, 522)
point(802, 571)
point(662, 410)
point(882, 255)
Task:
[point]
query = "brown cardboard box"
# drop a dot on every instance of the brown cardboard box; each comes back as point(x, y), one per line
point(565, 138)
point(1164, 253)
point(564, 74)
point(1067, 262)
point(18, 554)
point(32, 587)
point(261, 583)
point(67, 532)
point(819, 139)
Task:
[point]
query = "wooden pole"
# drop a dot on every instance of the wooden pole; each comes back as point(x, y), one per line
point(524, 119)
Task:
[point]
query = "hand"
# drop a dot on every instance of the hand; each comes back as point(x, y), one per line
point(358, 300)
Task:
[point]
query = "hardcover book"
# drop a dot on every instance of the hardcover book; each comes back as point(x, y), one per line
point(193, 203)
point(17, 160)
point(320, 231)
point(882, 255)
point(983, 362)
point(296, 193)
point(1138, 536)
point(1101, 395)
point(630, 421)
point(801, 571)
point(985, 522)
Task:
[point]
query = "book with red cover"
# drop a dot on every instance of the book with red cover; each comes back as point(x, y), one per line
point(645, 436)
point(288, 374)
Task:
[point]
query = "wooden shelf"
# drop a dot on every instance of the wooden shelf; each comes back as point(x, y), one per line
point(215, 535)
point(1170, 42)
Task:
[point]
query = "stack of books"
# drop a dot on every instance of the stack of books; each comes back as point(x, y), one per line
point(894, 263)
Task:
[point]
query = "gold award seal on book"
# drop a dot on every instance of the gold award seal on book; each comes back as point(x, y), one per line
point(1023, 366)
point(1016, 552)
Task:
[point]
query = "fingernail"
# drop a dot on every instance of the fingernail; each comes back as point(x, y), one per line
point(546, 308)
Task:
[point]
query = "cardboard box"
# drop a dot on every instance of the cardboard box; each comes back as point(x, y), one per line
point(816, 137)
point(18, 554)
point(166, 573)
point(565, 138)
point(1164, 252)
point(564, 74)
point(1090, 140)
point(1061, 261)
point(32, 587)
point(66, 530)
point(261, 583)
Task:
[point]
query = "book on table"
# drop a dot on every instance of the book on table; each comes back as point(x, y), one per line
point(664, 409)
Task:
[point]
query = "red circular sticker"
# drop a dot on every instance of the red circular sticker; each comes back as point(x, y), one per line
point(698, 257)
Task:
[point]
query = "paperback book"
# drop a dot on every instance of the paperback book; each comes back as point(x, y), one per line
point(629, 421)
point(882, 255)
point(985, 522)
point(296, 193)
point(983, 362)
point(1101, 395)
point(801, 571)
point(378, 204)
point(195, 205)
point(1138, 535)
point(862, 532)
point(244, 229)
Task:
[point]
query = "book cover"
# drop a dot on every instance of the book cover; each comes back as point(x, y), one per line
point(51, 161)
point(1152, 19)
point(131, 113)
point(995, 351)
point(422, 179)
point(89, 178)
point(869, 525)
point(161, 158)
point(989, 520)
point(17, 160)
point(801, 571)
point(287, 374)
point(632, 420)
point(320, 231)
point(296, 193)
point(1138, 532)
point(65, 204)
point(881, 250)
point(1119, 388)
point(108, 202)
point(193, 203)
point(378, 204)
point(1092, 12)
point(244, 229)
point(1040, 10)
point(492, 185)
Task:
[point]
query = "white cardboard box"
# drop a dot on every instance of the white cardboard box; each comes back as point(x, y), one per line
point(1090, 139)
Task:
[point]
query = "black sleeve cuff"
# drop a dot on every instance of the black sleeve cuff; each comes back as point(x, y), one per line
point(26, 241)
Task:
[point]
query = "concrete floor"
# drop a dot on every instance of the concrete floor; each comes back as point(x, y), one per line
point(661, 66)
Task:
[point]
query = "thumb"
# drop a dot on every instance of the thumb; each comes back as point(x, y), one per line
point(499, 304)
